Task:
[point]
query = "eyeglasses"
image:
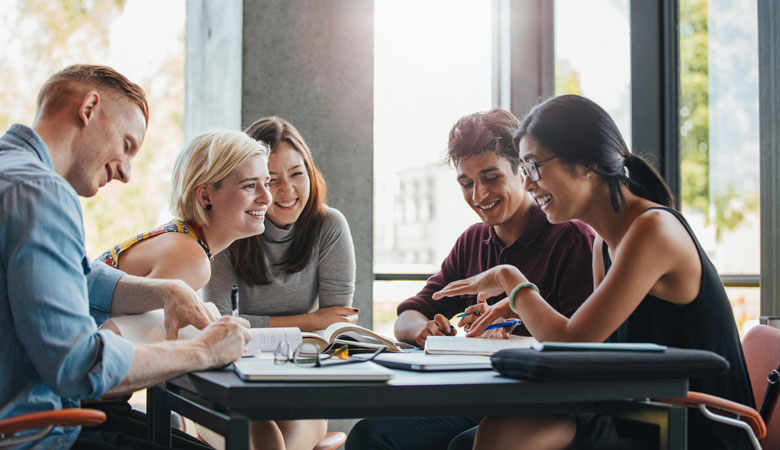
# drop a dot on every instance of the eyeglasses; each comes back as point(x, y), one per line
point(308, 355)
point(531, 169)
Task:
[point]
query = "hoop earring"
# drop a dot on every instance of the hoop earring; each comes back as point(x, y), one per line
point(208, 207)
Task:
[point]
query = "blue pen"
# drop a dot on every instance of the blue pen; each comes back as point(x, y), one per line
point(508, 323)
point(463, 314)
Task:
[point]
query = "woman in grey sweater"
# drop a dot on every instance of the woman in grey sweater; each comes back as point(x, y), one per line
point(301, 271)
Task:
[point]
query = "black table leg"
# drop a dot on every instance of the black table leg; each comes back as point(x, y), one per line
point(237, 436)
point(158, 416)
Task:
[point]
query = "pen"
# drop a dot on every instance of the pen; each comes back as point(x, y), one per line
point(234, 299)
point(463, 314)
point(508, 323)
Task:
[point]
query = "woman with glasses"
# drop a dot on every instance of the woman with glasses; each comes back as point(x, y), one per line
point(301, 271)
point(653, 281)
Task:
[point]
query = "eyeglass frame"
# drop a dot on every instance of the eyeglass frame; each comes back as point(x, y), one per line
point(530, 170)
point(318, 361)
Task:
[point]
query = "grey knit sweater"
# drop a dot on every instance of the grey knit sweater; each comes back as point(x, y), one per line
point(328, 279)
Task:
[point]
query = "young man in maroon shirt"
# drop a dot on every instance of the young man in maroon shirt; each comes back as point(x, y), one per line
point(513, 231)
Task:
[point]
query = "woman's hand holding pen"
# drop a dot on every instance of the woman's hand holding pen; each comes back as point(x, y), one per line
point(487, 284)
point(496, 313)
point(472, 313)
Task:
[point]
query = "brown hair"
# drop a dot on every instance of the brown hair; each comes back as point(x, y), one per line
point(96, 76)
point(481, 132)
point(247, 254)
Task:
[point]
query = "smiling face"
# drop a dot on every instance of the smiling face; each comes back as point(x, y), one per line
point(493, 190)
point(104, 147)
point(562, 192)
point(241, 201)
point(290, 185)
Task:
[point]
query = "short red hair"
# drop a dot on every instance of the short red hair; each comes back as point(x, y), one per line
point(97, 76)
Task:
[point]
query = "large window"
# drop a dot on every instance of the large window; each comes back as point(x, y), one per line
point(142, 39)
point(718, 117)
point(432, 65)
point(719, 141)
point(593, 55)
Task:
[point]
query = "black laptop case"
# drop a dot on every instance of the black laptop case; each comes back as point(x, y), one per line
point(595, 365)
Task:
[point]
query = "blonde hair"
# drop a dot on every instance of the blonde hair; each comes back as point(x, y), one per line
point(208, 158)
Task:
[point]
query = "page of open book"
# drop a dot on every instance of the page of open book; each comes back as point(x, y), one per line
point(145, 328)
point(351, 334)
point(266, 339)
point(149, 327)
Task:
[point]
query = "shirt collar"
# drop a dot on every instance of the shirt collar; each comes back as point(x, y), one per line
point(33, 142)
point(536, 224)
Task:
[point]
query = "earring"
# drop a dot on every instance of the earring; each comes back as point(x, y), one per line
point(588, 175)
point(208, 207)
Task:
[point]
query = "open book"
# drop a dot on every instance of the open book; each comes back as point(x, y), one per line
point(343, 333)
point(150, 327)
point(461, 345)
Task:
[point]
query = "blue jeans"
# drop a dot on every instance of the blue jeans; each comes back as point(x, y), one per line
point(407, 433)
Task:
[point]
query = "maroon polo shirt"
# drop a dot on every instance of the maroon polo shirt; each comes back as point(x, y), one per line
point(555, 257)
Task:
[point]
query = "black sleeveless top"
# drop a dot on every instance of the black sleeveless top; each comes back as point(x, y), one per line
point(707, 323)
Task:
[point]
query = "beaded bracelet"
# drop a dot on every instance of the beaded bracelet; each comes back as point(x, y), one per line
point(517, 289)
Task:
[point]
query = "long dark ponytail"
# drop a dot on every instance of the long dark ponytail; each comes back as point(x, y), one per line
point(579, 131)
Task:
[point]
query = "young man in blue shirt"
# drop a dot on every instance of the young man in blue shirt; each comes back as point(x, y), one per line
point(90, 122)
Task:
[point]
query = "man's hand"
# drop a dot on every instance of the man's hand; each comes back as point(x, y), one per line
point(218, 344)
point(225, 340)
point(439, 326)
point(183, 306)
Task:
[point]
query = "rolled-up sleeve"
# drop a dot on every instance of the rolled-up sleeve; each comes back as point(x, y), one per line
point(101, 281)
point(43, 245)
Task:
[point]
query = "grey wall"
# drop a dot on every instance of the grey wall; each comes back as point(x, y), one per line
point(769, 117)
point(310, 62)
point(212, 67)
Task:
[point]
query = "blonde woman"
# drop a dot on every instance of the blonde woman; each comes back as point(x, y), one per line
point(219, 194)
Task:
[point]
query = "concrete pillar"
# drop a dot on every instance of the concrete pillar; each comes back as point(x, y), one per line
point(310, 62)
point(212, 67)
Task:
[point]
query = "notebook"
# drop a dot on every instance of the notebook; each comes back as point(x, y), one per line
point(422, 362)
point(461, 345)
point(257, 369)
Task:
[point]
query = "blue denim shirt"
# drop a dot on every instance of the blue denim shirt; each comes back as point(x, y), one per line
point(51, 353)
